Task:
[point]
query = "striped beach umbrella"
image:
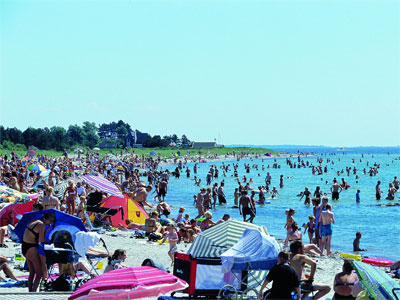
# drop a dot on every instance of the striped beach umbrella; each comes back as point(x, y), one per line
point(379, 285)
point(216, 240)
point(102, 184)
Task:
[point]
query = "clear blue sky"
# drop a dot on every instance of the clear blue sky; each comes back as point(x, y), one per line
point(256, 72)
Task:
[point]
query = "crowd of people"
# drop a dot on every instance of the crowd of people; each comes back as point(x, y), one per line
point(126, 171)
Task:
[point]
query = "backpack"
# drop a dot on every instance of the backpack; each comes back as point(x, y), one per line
point(154, 237)
point(62, 283)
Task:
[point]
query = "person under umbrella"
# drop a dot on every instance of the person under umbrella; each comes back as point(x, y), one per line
point(32, 249)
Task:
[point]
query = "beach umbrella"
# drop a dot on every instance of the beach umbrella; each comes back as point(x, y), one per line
point(9, 195)
point(378, 284)
point(36, 167)
point(61, 219)
point(102, 184)
point(153, 152)
point(129, 283)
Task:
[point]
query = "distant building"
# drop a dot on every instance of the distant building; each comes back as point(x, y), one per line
point(108, 145)
point(200, 145)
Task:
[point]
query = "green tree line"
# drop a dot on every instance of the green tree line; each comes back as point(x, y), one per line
point(89, 135)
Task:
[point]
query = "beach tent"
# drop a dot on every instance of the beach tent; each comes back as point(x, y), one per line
point(202, 266)
point(131, 210)
point(216, 240)
point(254, 250)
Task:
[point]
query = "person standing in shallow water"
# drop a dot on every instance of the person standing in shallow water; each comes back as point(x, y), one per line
point(335, 189)
point(327, 218)
point(378, 191)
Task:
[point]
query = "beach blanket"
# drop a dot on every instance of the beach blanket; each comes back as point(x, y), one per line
point(12, 283)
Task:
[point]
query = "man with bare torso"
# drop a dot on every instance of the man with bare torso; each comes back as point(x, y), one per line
point(140, 195)
point(326, 219)
point(298, 262)
point(49, 201)
point(335, 189)
point(247, 204)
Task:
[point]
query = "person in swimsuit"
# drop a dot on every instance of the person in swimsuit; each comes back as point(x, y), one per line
point(6, 269)
point(172, 239)
point(49, 201)
point(207, 223)
point(71, 194)
point(298, 261)
point(326, 218)
point(344, 282)
point(310, 228)
point(33, 235)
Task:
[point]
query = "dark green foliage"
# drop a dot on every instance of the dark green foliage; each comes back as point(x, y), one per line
point(89, 135)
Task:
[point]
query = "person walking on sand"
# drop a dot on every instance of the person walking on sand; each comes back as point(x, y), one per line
point(335, 189)
point(298, 262)
point(326, 218)
point(71, 194)
point(172, 236)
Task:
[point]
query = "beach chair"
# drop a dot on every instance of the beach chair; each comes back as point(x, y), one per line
point(101, 213)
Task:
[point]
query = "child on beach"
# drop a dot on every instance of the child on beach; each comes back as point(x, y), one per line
point(289, 221)
point(310, 227)
point(172, 239)
point(356, 243)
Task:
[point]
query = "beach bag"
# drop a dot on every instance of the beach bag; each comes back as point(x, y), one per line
point(154, 237)
point(62, 283)
point(140, 234)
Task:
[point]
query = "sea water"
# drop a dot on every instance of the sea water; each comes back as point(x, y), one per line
point(380, 225)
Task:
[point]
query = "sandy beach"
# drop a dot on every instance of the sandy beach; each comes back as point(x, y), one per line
point(138, 250)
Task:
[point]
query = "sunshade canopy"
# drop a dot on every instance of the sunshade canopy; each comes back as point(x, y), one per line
point(216, 240)
point(254, 250)
point(137, 282)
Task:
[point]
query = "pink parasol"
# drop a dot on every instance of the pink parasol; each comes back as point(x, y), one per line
point(129, 283)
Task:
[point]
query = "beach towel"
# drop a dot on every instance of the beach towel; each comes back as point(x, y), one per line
point(84, 240)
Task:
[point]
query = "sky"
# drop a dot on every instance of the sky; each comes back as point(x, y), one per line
point(245, 72)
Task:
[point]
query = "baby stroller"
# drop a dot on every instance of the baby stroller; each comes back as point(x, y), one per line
point(62, 252)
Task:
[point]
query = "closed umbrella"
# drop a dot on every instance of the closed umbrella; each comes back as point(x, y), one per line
point(129, 283)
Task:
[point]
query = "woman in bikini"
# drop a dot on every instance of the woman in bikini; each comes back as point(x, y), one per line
point(344, 282)
point(71, 194)
point(33, 235)
point(207, 222)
